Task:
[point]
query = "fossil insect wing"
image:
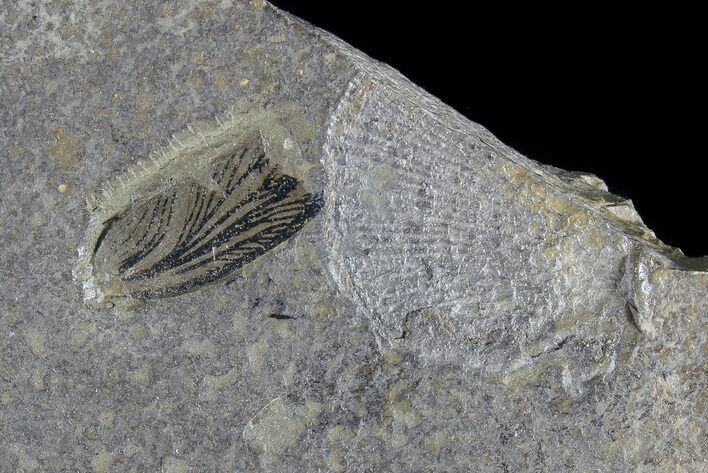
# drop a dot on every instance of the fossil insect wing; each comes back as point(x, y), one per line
point(199, 215)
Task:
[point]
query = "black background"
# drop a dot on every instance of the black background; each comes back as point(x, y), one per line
point(620, 94)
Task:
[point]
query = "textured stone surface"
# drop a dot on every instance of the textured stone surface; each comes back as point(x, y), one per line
point(454, 306)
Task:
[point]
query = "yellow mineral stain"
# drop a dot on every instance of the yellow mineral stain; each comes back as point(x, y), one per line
point(36, 342)
point(404, 413)
point(281, 327)
point(561, 204)
point(333, 462)
point(138, 331)
point(199, 347)
point(38, 380)
point(103, 461)
point(399, 440)
point(37, 220)
point(560, 405)
point(25, 463)
point(251, 53)
point(568, 321)
point(105, 418)
point(303, 130)
point(324, 310)
point(339, 433)
point(240, 326)
point(62, 188)
point(80, 334)
point(311, 412)
point(198, 56)
point(221, 79)
point(213, 384)
point(66, 148)
point(289, 374)
point(143, 103)
point(274, 428)
point(360, 409)
point(530, 375)
point(7, 372)
point(142, 375)
point(330, 57)
point(9, 315)
point(392, 358)
point(254, 352)
point(243, 82)
point(436, 441)
point(394, 392)
point(195, 80)
point(168, 9)
point(380, 430)
point(172, 464)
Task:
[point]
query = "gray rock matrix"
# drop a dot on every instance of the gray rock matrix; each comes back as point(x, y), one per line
point(453, 306)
